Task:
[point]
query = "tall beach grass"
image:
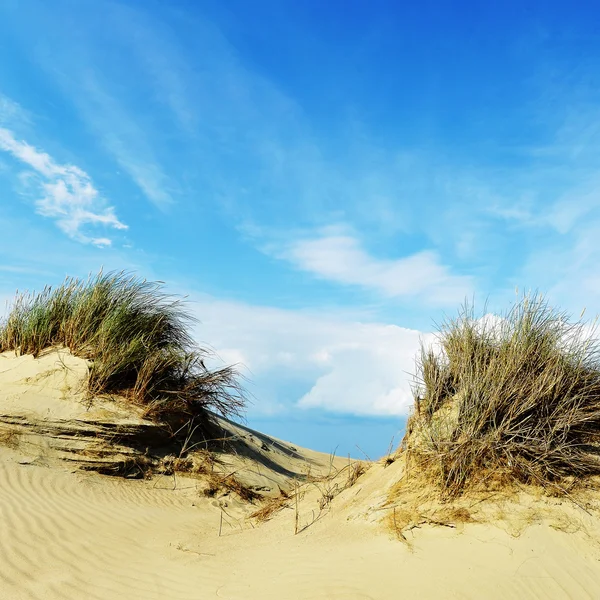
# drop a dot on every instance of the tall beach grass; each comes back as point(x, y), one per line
point(136, 338)
point(516, 397)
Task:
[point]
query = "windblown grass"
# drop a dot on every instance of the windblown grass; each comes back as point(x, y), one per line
point(136, 338)
point(515, 398)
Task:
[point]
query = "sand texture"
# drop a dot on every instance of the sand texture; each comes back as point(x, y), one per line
point(71, 533)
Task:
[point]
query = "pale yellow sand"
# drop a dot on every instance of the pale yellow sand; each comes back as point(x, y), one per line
point(74, 535)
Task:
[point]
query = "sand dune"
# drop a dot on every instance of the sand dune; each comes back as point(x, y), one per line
point(70, 534)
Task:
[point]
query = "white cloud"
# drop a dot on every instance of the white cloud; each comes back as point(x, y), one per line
point(341, 364)
point(341, 258)
point(68, 195)
point(78, 62)
point(10, 111)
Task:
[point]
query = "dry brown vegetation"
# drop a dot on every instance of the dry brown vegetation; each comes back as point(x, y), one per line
point(336, 480)
point(405, 520)
point(327, 487)
point(220, 483)
point(514, 399)
point(272, 506)
point(414, 503)
point(10, 437)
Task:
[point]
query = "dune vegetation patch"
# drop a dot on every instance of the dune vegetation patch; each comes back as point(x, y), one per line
point(136, 339)
point(514, 399)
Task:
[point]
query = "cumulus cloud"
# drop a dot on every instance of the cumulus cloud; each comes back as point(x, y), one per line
point(340, 364)
point(68, 194)
point(341, 258)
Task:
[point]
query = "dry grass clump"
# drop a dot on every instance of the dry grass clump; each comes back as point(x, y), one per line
point(327, 486)
point(271, 506)
point(131, 467)
point(414, 504)
point(405, 520)
point(198, 462)
point(135, 337)
point(355, 470)
point(218, 483)
point(10, 437)
point(510, 399)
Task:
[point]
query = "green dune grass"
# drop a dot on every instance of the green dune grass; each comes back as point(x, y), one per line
point(136, 338)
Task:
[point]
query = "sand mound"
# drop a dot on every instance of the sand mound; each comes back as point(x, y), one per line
point(71, 534)
point(45, 412)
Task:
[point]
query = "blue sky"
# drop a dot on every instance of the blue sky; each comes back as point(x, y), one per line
point(324, 180)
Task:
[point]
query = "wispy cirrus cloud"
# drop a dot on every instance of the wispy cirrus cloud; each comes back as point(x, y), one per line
point(94, 75)
point(122, 137)
point(11, 111)
point(68, 194)
point(561, 216)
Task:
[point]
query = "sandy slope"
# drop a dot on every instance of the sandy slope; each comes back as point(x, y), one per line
point(66, 534)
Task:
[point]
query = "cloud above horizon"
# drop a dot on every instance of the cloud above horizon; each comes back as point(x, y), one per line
point(340, 258)
point(336, 363)
point(68, 194)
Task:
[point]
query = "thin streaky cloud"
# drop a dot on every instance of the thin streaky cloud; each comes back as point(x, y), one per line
point(123, 138)
point(95, 94)
point(10, 111)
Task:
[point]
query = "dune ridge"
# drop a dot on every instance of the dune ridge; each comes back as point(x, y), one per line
point(68, 533)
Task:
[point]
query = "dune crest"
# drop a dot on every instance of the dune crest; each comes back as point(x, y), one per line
point(70, 533)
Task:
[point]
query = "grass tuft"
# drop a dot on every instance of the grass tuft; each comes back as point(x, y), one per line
point(506, 400)
point(136, 338)
point(272, 506)
point(218, 483)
